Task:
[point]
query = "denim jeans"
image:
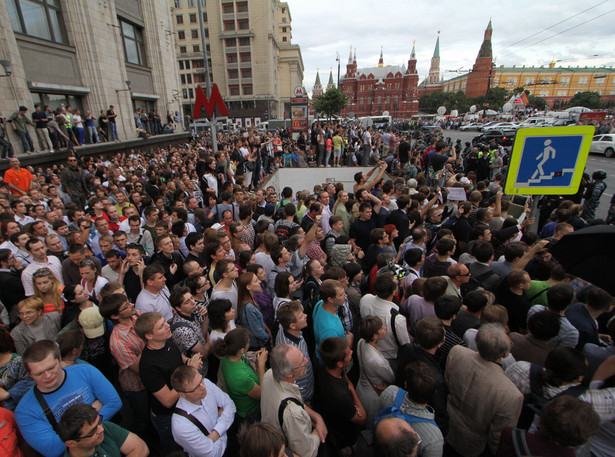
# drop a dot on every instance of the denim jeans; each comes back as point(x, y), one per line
point(162, 424)
point(26, 141)
point(80, 133)
point(93, 135)
point(113, 131)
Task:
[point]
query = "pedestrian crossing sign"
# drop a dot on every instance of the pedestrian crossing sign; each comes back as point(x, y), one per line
point(548, 160)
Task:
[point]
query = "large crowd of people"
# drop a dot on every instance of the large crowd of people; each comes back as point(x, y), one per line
point(172, 301)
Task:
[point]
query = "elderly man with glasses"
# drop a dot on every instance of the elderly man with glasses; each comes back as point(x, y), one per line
point(282, 405)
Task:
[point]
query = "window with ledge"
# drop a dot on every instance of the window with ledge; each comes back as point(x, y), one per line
point(198, 64)
point(227, 8)
point(190, 3)
point(204, 17)
point(242, 7)
point(245, 57)
point(247, 89)
point(193, 18)
point(189, 79)
point(245, 41)
point(179, 19)
point(233, 74)
point(183, 50)
point(284, 38)
point(583, 81)
point(194, 33)
point(230, 42)
point(181, 35)
point(599, 79)
point(178, 3)
point(231, 58)
point(283, 29)
point(132, 38)
point(196, 48)
point(246, 73)
point(229, 26)
point(199, 78)
point(233, 90)
point(38, 18)
point(243, 24)
point(182, 78)
point(181, 64)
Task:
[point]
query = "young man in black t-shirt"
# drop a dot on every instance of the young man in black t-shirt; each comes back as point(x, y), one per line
point(159, 359)
point(337, 399)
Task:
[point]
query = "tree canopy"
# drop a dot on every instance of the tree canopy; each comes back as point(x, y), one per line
point(331, 102)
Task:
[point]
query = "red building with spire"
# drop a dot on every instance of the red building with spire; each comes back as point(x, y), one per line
point(479, 79)
point(374, 90)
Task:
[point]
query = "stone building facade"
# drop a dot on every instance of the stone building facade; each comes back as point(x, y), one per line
point(84, 54)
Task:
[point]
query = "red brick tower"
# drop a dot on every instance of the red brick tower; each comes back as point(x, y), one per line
point(479, 78)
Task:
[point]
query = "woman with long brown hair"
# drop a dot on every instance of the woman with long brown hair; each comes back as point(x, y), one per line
point(249, 314)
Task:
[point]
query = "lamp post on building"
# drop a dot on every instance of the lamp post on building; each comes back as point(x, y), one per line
point(212, 121)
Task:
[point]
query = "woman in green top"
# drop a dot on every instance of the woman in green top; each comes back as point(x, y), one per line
point(242, 383)
point(339, 209)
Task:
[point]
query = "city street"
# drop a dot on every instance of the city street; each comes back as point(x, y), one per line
point(594, 162)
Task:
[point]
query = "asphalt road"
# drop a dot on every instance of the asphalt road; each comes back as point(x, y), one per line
point(594, 162)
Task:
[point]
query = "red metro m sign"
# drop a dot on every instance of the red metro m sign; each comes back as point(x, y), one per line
point(209, 105)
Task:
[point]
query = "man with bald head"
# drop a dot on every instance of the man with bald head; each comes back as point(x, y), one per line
point(394, 436)
point(456, 275)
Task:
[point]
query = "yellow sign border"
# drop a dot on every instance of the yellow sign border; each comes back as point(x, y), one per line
point(513, 168)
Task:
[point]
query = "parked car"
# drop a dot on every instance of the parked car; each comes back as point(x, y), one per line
point(473, 126)
point(431, 128)
point(502, 126)
point(501, 137)
point(603, 144)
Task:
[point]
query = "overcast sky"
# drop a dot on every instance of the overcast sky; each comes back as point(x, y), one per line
point(323, 28)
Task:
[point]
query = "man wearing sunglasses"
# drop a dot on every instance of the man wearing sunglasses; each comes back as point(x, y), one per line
point(84, 432)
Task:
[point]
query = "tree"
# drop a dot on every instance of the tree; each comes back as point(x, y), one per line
point(537, 102)
point(587, 99)
point(496, 97)
point(331, 102)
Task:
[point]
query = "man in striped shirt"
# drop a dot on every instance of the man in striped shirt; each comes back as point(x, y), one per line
point(292, 320)
point(126, 348)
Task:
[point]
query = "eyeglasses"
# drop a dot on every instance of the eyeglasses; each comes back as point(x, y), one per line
point(302, 366)
point(41, 272)
point(467, 274)
point(125, 307)
point(195, 389)
point(93, 432)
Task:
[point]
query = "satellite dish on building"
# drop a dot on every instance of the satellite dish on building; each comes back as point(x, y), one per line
point(508, 107)
point(441, 110)
point(454, 113)
point(385, 113)
point(473, 109)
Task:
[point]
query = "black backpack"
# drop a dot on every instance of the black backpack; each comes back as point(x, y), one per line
point(475, 282)
point(534, 400)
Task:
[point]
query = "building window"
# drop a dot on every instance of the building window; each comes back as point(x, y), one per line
point(229, 26)
point(496, 81)
point(242, 7)
point(196, 48)
point(582, 80)
point(179, 19)
point(244, 41)
point(204, 17)
point(283, 29)
point(183, 50)
point(189, 79)
point(510, 82)
point(564, 80)
point(233, 74)
point(247, 89)
point(599, 79)
point(546, 80)
point(191, 92)
point(181, 35)
point(231, 58)
point(246, 73)
point(178, 3)
point(193, 18)
point(194, 33)
point(37, 18)
point(227, 8)
point(190, 3)
point(181, 64)
point(132, 37)
point(243, 24)
point(543, 93)
point(230, 42)
point(233, 90)
point(198, 64)
point(284, 38)
point(528, 81)
point(245, 57)
point(182, 78)
point(388, 99)
point(199, 77)
point(562, 93)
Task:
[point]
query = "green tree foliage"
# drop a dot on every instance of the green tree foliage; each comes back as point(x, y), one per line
point(587, 99)
point(331, 102)
point(537, 102)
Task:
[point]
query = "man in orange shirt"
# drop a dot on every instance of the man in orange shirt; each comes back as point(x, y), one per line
point(18, 178)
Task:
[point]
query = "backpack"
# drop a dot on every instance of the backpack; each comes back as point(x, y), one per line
point(395, 411)
point(534, 400)
point(283, 232)
point(475, 282)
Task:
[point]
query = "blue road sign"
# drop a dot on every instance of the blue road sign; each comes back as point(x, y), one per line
point(548, 160)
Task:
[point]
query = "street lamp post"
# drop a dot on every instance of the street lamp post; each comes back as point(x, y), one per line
point(337, 59)
point(212, 121)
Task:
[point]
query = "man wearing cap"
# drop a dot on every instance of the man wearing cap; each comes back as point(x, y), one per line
point(57, 388)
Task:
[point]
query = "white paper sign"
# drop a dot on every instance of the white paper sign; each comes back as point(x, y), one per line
point(456, 193)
